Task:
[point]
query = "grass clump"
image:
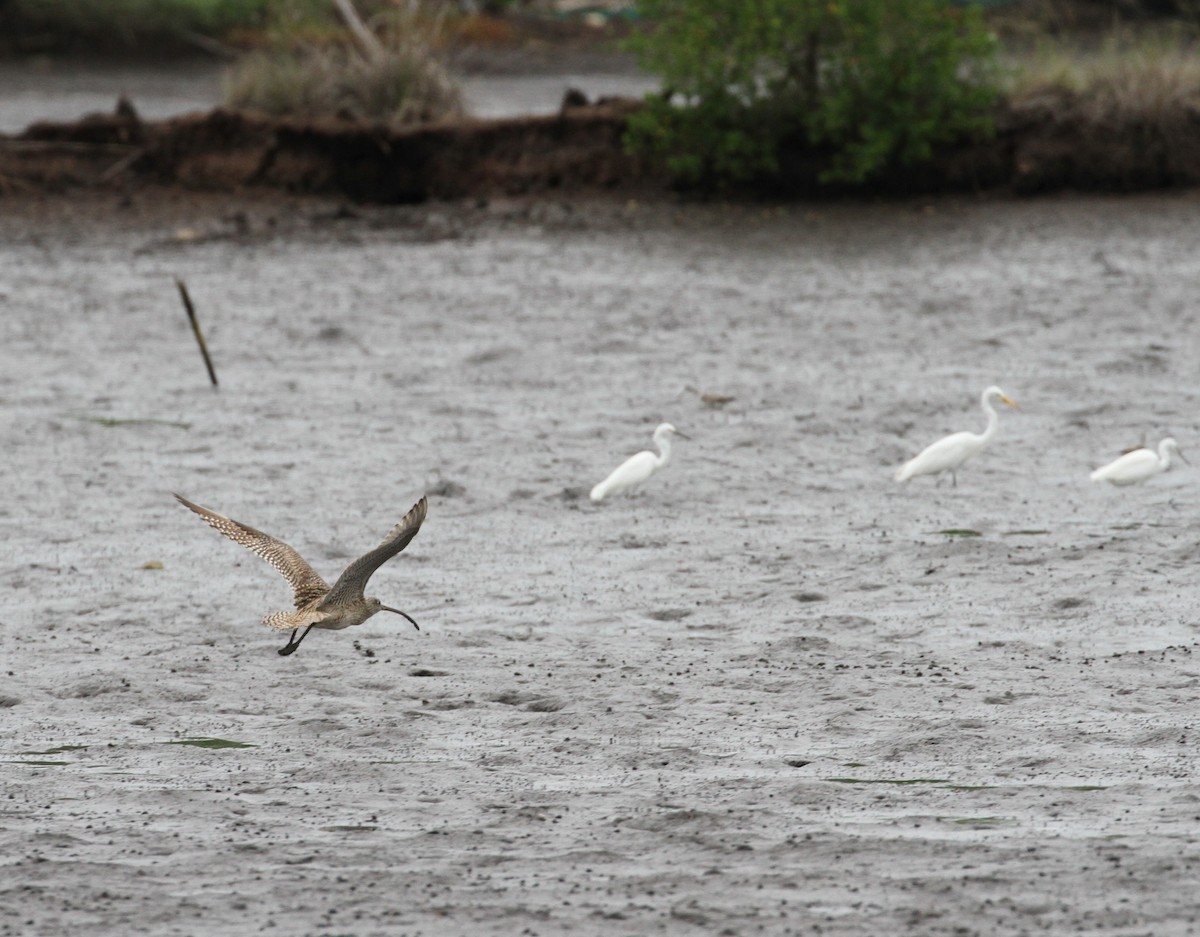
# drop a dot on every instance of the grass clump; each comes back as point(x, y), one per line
point(404, 86)
point(1141, 75)
point(398, 80)
point(1120, 110)
point(206, 742)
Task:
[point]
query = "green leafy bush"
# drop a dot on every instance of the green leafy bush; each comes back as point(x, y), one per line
point(868, 83)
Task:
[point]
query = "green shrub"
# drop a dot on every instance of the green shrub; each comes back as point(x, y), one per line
point(868, 83)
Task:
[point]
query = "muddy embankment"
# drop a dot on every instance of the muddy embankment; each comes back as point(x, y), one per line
point(1043, 145)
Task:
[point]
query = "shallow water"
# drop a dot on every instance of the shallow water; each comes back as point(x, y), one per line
point(773, 692)
point(45, 89)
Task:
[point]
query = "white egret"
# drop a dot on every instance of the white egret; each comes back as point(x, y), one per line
point(637, 468)
point(1137, 465)
point(950, 452)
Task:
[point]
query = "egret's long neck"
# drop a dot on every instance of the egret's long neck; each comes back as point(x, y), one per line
point(663, 441)
point(993, 420)
point(1164, 456)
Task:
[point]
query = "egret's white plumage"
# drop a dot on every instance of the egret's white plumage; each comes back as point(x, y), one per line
point(637, 468)
point(948, 453)
point(1135, 467)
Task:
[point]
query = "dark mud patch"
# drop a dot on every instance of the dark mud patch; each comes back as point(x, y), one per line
point(578, 148)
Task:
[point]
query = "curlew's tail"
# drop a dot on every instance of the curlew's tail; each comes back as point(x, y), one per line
point(290, 621)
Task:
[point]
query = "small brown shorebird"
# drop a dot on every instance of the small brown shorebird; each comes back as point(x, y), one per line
point(318, 605)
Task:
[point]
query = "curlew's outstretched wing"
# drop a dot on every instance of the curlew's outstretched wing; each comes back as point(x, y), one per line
point(351, 583)
point(307, 584)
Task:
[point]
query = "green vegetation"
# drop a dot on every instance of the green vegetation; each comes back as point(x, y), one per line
point(142, 421)
point(156, 26)
point(61, 749)
point(127, 22)
point(899, 781)
point(204, 742)
point(868, 84)
point(981, 823)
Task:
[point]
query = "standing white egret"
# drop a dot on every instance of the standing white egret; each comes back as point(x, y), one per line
point(950, 452)
point(1136, 466)
point(637, 468)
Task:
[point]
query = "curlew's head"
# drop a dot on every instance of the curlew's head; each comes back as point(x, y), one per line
point(376, 606)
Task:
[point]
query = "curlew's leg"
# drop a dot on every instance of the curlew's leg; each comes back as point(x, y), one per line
point(292, 644)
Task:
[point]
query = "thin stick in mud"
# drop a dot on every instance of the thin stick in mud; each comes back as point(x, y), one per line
point(191, 314)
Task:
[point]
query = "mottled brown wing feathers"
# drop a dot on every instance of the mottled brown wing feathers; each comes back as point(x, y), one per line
point(307, 584)
point(290, 621)
point(352, 582)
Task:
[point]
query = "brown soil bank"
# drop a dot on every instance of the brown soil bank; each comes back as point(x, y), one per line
point(1042, 145)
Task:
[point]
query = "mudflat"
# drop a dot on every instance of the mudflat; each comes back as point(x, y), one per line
point(775, 692)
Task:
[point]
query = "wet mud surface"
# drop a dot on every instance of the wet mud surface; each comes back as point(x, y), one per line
point(771, 694)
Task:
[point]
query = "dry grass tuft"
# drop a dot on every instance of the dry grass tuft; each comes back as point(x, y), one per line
point(403, 84)
point(1146, 78)
point(1120, 113)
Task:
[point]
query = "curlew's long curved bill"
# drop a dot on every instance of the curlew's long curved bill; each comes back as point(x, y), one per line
point(384, 608)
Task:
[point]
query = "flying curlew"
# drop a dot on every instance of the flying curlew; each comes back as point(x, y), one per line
point(318, 605)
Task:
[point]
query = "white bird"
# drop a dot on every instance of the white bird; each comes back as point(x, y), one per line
point(950, 452)
point(637, 468)
point(1136, 466)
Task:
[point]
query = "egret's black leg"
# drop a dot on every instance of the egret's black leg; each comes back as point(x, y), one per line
point(954, 475)
point(293, 643)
